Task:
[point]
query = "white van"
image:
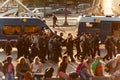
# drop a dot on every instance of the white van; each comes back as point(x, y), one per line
point(48, 11)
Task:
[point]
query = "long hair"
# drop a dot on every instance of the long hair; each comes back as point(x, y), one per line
point(22, 58)
point(63, 59)
point(36, 58)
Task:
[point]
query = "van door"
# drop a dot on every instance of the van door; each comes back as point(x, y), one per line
point(106, 29)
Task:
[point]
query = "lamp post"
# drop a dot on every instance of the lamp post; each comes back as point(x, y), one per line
point(65, 23)
point(44, 8)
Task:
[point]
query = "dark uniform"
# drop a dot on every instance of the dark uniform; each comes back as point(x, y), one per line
point(77, 45)
point(108, 46)
point(8, 47)
point(54, 21)
point(19, 46)
point(118, 46)
point(95, 43)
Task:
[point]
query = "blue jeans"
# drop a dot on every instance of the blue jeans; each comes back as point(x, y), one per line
point(9, 76)
point(84, 75)
point(20, 77)
point(0, 78)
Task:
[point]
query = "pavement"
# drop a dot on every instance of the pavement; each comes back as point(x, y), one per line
point(71, 19)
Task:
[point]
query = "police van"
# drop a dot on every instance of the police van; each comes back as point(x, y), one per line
point(104, 25)
point(12, 27)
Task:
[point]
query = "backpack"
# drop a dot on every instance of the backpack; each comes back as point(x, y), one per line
point(107, 66)
point(79, 67)
point(99, 70)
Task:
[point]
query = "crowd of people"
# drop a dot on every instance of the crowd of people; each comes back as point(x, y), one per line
point(86, 69)
point(43, 46)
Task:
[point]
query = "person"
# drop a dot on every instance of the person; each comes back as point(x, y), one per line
point(51, 46)
point(85, 70)
point(48, 72)
point(115, 65)
point(1, 70)
point(69, 47)
point(27, 76)
point(42, 43)
point(77, 45)
point(96, 44)
point(8, 69)
point(26, 45)
point(113, 45)
point(54, 21)
point(109, 47)
point(8, 47)
point(85, 46)
point(34, 52)
point(62, 68)
point(118, 45)
point(36, 67)
point(21, 68)
point(57, 49)
point(97, 68)
point(19, 46)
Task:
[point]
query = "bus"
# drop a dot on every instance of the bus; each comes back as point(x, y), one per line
point(11, 27)
point(104, 25)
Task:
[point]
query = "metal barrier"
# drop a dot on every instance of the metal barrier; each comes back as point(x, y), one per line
point(94, 78)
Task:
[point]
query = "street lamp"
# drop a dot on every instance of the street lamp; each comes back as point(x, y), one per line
point(65, 23)
point(44, 8)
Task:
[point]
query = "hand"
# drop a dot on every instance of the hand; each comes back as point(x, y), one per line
point(56, 76)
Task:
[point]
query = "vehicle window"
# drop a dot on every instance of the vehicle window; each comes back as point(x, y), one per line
point(39, 10)
point(12, 29)
point(84, 5)
point(91, 25)
point(30, 29)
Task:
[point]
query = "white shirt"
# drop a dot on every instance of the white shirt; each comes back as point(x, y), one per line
point(36, 67)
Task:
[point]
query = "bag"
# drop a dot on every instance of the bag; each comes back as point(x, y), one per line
point(49, 72)
point(99, 70)
point(79, 67)
point(107, 66)
point(73, 75)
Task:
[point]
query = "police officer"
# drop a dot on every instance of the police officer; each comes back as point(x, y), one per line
point(54, 21)
point(96, 43)
point(108, 46)
point(118, 45)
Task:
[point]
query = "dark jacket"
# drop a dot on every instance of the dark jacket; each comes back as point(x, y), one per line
point(5, 68)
